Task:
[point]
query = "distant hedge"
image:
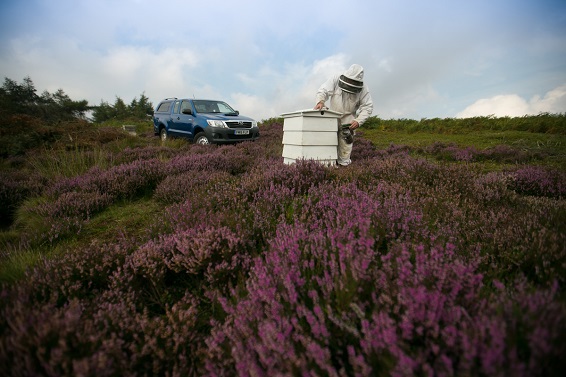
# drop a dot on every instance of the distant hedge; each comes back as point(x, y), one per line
point(542, 123)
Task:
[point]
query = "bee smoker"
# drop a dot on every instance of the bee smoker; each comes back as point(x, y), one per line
point(346, 133)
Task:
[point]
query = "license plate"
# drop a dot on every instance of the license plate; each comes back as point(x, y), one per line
point(242, 132)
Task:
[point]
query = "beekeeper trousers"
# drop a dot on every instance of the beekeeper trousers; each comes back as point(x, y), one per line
point(344, 151)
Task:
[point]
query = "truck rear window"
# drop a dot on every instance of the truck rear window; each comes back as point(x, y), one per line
point(164, 107)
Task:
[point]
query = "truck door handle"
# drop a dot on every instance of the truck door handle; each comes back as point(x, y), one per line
point(178, 118)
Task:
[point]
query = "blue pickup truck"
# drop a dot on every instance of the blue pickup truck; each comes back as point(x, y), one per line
point(202, 121)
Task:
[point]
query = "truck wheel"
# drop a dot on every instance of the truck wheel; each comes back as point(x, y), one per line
point(163, 134)
point(201, 139)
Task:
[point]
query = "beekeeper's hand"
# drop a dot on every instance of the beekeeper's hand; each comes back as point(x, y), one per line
point(354, 125)
point(319, 105)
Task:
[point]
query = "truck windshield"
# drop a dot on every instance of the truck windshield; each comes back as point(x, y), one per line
point(206, 106)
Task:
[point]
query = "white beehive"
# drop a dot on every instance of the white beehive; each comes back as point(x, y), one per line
point(311, 135)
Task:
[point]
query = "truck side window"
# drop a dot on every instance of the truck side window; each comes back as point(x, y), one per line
point(186, 105)
point(176, 109)
point(164, 107)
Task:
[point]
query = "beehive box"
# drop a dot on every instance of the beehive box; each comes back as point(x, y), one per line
point(311, 135)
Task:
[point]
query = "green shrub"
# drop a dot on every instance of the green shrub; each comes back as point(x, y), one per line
point(542, 123)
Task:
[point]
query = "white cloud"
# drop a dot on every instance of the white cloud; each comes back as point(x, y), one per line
point(513, 105)
point(253, 106)
point(94, 75)
point(293, 87)
point(385, 65)
point(553, 102)
point(502, 105)
point(266, 68)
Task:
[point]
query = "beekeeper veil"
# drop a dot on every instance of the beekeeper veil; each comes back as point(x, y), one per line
point(352, 80)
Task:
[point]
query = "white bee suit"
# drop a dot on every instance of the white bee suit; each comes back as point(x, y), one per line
point(355, 106)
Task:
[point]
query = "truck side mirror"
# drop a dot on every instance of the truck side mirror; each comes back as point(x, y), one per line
point(187, 111)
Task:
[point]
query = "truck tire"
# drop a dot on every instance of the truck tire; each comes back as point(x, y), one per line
point(201, 139)
point(163, 134)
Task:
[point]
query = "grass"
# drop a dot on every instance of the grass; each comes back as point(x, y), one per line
point(544, 132)
point(542, 123)
point(16, 261)
point(125, 219)
point(478, 139)
point(552, 145)
point(52, 163)
point(129, 219)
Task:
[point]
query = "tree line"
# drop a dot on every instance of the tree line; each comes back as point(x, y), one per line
point(30, 120)
point(22, 98)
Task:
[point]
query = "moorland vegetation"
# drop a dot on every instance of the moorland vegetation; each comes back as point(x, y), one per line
point(440, 251)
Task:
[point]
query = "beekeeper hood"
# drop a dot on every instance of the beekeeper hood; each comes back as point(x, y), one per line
point(352, 81)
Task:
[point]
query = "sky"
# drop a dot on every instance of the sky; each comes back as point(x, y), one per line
point(422, 59)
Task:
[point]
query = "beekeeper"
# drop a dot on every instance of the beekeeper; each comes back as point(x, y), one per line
point(349, 96)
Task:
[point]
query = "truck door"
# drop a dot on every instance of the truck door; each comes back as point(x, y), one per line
point(174, 121)
point(186, 119)
point(181, 123)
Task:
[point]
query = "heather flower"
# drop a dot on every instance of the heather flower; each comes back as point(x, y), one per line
point(397, 265)
point(146, 153)
point(66, 214)
point(119, 182)
point(176, 188)
point(539, 181)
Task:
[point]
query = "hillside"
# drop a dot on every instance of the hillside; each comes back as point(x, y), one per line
point(441, 248)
